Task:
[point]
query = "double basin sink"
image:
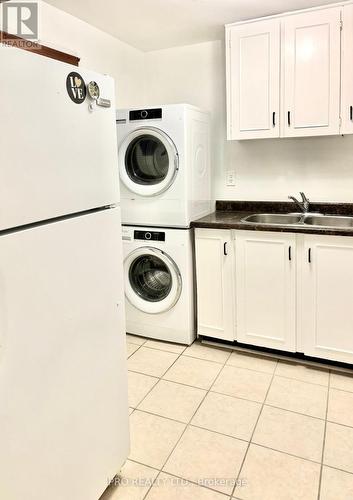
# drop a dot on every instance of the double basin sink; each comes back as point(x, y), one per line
point(318, 220)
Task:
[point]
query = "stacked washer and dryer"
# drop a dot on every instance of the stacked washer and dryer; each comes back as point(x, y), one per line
point(164, 165)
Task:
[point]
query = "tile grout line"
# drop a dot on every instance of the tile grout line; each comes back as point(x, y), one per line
point(238, 397)
point(237, 366)
point(340, 390)
point(190, 424)
point(261, 446)
point(196, 484)
point(324, 441)
point(138, 348)
point(182, 353)
point(256, 354)
point(203, 399)
point(226, 495)
point(295, 412)
point(253, 432)
point(159, 470)
point(135, 343)
point(187, 425)
point(164, 350)
point(300, 380)
point(159, 379)
point(263, 404)
point(151, 486)
point(339, 423)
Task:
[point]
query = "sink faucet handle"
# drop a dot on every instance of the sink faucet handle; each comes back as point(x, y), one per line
point(306, 202)
point(304, 198)
point(303, 205)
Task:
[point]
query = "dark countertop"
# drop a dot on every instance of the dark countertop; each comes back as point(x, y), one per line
point(228, 215)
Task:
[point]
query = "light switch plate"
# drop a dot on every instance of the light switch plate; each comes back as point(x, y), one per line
point(230, 178)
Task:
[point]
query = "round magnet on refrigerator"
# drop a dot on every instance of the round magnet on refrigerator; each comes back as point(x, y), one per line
point(93, 90)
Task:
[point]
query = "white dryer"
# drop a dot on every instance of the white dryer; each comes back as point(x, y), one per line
point(164, 165)
point(158, 278)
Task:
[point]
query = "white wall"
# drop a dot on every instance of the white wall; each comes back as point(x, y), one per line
point(98, 51)
point(265, 169)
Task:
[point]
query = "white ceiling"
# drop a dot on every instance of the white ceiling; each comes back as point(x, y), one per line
point(158, 24)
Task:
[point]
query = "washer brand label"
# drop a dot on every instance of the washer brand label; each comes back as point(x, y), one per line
point(127, 235)
point(76, 87)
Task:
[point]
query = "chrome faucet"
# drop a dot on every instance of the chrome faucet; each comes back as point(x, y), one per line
point(304, 205)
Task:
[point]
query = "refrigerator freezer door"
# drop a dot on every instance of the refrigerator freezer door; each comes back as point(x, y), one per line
point(57, 157)
point(63, 380)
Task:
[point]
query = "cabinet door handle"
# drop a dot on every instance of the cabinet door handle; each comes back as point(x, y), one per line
point(274, 119)
point(351, 113)
point(290, 253)
point(309, 255)
point(288, 118)
point(225, 248)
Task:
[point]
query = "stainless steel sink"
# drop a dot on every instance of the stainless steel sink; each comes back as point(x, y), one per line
point(328, 221)
point(320, 220)
point(282, 219)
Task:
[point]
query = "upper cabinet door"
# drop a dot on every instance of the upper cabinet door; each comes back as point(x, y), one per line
point(311, 73)
point(253, 79)
point(347, 70)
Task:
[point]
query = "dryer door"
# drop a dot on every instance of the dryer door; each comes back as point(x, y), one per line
point(153, 281)
point(148, 161)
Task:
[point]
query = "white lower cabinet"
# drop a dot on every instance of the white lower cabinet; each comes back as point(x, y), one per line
point(285, 291)
point(265, 289)
point(215, 283)
point(327, 297)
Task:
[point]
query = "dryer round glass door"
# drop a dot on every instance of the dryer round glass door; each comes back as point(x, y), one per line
point(148, 161)
point(152, 280)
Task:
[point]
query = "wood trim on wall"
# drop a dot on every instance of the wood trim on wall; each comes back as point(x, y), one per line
point(42, 50)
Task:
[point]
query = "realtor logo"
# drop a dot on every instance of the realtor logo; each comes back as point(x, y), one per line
point(21, 19)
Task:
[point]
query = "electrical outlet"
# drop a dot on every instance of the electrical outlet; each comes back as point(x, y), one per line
point(230, 178)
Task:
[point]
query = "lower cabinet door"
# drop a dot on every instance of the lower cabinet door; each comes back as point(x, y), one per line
point(215, 290)
point(327, 297)
point(266, 289)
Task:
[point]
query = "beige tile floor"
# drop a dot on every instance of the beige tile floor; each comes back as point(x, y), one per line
point(211, 424)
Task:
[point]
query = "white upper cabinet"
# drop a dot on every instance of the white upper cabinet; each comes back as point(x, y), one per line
point(311, 73)
point(347, 70)
point(253, 80)
point(266, 289)
point(284, 74)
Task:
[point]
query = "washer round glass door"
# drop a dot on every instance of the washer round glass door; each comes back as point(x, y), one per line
point(152, 280)
point(148, 161)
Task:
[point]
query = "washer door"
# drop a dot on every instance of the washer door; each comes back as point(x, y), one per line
point(148, 161)
point(152, 280)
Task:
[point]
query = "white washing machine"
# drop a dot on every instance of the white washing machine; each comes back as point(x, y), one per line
point(158, 278)
point(164, 165)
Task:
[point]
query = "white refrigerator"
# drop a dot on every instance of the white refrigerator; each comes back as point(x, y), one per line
point(63, 380)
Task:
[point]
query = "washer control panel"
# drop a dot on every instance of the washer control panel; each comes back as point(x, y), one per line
point(149, 235)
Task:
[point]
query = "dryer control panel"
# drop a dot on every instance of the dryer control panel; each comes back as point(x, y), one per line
point(149, 235)
point(145, 114)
